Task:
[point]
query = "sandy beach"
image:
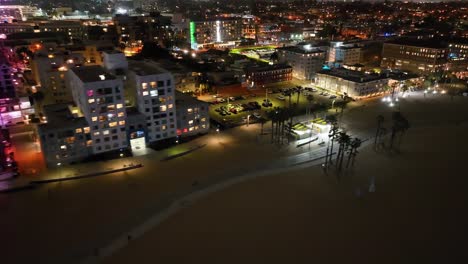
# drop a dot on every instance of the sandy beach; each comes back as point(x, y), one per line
point(416, 214)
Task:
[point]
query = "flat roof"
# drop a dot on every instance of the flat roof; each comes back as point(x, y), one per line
point(258, 68)
point(297, 49)
point(143, 68)
point(60, 117)
point(354, 76)
point(186, 99)
point(433, 43)
point(89, 74)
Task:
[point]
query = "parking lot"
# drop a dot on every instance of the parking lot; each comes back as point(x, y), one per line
point(234, 110)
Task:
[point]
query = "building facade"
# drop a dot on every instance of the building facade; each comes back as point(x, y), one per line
point(268, 74)
point(192, 115)
point(305, 60)
point(99, 96)
point(155, 99)
point(211, 33)
point(352, 83)
point(417, 56)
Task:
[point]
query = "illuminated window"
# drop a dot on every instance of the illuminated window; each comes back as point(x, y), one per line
point(96, 133)
point(203, 126)
point(86, 129)
point(119, 106)
point(91, 100)
point(154, 93)
point(203, 119)
point(145, 93)
point(191, 129)
point(163, 127)
point(105, 132)
point(120, 114)
point(170, 106)
point(113, 124)
point(144, 86)
point(110, 107)
point(190, 122)
point(63, 147)
point(162, 108)
point(190, 110)
point(89, 143)
point(122, 123)
point(78, 130)
point(94, 118)
point(90, 93)
point(153, 84)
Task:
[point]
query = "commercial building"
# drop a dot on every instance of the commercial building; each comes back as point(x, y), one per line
point(192, 115)
point(99, 96)
point(18, 12)
point(418, 56)
point(352, 83)
point(305, 60)
point(214, 33)
point(260, 75)
point(155, 99)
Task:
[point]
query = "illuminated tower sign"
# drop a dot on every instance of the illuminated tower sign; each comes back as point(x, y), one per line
point(193, 39)
point(218, 31)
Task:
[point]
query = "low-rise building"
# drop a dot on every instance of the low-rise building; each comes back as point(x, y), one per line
point(260, 75)
point(352, 83)
point(418, 56)
point(192, 115)
point(7, 85)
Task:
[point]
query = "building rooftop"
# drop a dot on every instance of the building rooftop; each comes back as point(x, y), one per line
point(354, 76)
point(60, 117)
point(142, 68)
point(422, 43)
point(305, 50)
point(89, 74)
point(258, 68)
point(186, 99)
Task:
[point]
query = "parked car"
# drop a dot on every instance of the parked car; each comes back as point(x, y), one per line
point(257, 115)
point(332, 96)
point(280, 97)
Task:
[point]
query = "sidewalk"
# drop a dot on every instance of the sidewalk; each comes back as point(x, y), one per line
point(92, 169)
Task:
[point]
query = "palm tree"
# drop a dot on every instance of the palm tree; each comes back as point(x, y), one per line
point(262, 123)
point(310, 99)
point(354, 145)
point(400, 125)
point(343, 139)
point(380, 120)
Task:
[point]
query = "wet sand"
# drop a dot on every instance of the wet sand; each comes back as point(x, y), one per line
point(416, 215)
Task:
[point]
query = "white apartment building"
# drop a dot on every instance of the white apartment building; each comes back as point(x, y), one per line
point(305, 60)
point(351, 83)
point(155, 99)
point(341, 54)
point(99, 96)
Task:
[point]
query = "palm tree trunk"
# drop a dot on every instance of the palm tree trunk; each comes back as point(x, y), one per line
point(331, 149)
point(392, 138)
point(272, 131)
point(351, 153)
point(377, 134)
